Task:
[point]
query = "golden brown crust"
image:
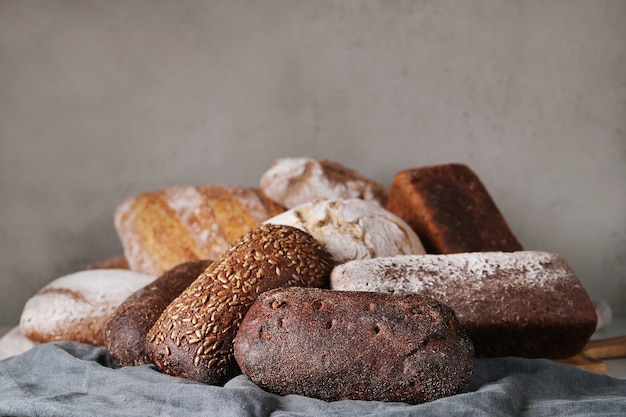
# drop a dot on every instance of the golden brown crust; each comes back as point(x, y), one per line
point(164, 228)
point(336, 345)
point(113, 262)
point(126, 329)
point(193, 337)
point(450, 210)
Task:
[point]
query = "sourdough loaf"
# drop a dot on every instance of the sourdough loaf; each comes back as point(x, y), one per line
point(127, 327)
point(353, 228)
point(527, 303)
point(450, 209)
point(164, 228)
point(295, 181)
point(76, 307)
point(336, 345)
point(14, 343)
point(193, 337)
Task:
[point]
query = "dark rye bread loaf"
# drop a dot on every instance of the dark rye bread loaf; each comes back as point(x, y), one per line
point(336, 345)
point(526, 303)
point(126, 330)
point(193, 337)
point(450, 210)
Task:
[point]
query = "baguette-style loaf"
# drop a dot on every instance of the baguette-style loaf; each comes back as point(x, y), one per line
point(193, 337)
point(164, 228)
point(76, 307)
point(295, 181)
point(126, 329)
point(336, 345)
point(527, 303)
point(353, 228)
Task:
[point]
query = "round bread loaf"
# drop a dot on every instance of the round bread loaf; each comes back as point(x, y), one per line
point(193, 337)
point(336, 345)
point(164, 228)
point(295, 181)
point(353, 228)
point(126, 329)
point(76, 307)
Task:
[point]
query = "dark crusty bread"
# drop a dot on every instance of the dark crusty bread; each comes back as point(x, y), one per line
point(526, 303)
point(336, 345)
point(126, 329)
point(450, 210)
point(193, 337)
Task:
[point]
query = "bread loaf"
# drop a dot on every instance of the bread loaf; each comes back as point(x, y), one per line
point(528, 304)
point(112, 262)
point(14, 343)
point(76, 307)
point(164, 228)
point(295, 181)
point(352, 228)
point(335, 345)
point(126, 329)
point(450, 209)
point(193, 337)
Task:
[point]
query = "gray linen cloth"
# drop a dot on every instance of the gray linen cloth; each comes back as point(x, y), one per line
point(71, 379)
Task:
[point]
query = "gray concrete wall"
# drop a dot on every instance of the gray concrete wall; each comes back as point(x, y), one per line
point(100, 100)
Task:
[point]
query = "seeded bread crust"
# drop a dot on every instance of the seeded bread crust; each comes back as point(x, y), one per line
point(126, 329)
point(193, 337)
point(164, 228)
point(336, 345)
point(450, 210)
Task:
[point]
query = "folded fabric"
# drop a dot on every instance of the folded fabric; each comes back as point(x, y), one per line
point(72, 379)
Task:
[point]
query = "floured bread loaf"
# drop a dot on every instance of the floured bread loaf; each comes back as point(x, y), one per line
point(14, 343)
point(127, 327)
point(295, 181)
point(353, 228)
point(193, 337)
point(164, 228)
point(528, 304)
point(450, 209)
point(337, 345)
point(76, 307)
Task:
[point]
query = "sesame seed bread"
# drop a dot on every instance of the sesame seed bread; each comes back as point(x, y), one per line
point(294, 181)
point(336, 345)
point(126, 329)
point(527, 303)
point(353, 228)
point(450, 209)
point(164, 228)
point(193, 337)
point(76, 307)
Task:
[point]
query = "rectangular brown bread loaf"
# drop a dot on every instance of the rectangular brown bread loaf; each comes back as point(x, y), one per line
point(528, 304)
point(450, 210)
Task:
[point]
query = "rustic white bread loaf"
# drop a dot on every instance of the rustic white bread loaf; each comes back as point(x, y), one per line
point(14, 343)
point(294, 181)
point(76, 307)
point(353, 228)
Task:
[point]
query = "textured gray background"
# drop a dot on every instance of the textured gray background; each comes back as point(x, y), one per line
point(100, 100)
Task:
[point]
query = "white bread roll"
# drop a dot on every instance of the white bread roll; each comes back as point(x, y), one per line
point(353, 229)
point(75, 307)
point(295, 181)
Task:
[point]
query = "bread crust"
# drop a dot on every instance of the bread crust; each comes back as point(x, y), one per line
point(193, 337)
point(336, 345)
point(126, 329)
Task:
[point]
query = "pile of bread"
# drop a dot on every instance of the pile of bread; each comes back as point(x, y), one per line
point(320, 282)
